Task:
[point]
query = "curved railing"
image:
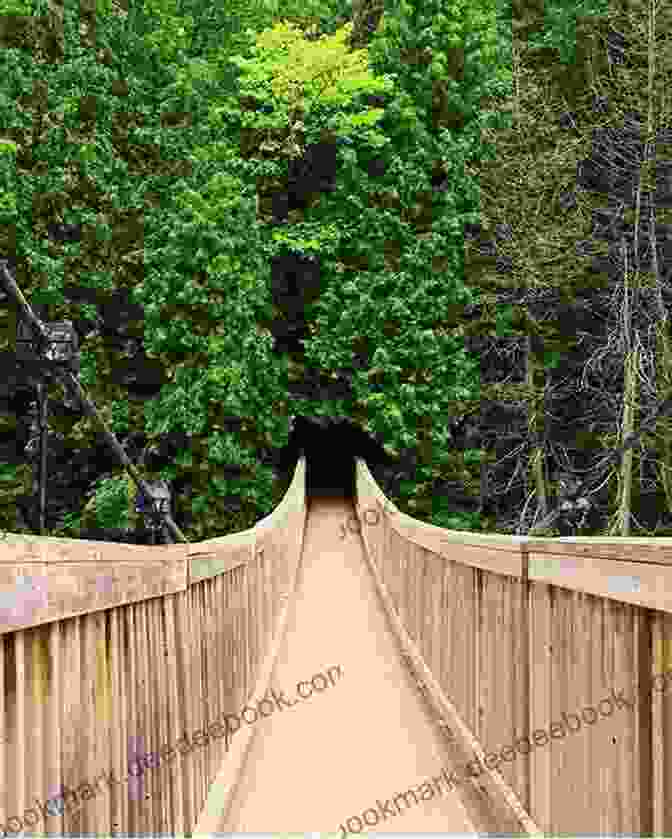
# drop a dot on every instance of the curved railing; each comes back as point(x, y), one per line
point(126, 659)
point(547, 659)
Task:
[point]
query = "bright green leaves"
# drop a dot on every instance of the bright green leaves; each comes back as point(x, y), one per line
point(297, 75)
point(7, 147)
point(206, 286)
point(15, 7)
point(231, 374)
point(348, 124)
point(8, 208)
point(222, 196)
point(179, 407)
point(322, 238)
point(87, 152)
point(369, 118)
point(120, 416)
point(174, 32)
point(226, 448)
point(111, 502)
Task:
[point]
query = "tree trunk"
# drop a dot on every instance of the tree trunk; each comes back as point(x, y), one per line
point(535, 424)
point(621, 526)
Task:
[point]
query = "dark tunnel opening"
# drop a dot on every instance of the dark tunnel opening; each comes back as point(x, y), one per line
point(330, 446)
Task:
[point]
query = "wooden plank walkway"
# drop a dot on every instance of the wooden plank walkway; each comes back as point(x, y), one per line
point(363, 736)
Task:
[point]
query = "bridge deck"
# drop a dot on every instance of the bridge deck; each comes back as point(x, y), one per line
point(362, 740)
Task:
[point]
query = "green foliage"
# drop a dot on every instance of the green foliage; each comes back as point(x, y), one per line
point(14, 7)
point(421, 371)
point(456, 521)
point(175, 31)
point(170, 213)
point(7, 472)
point(69, 525)
point(8, 207)
point(88, 310)
point(111, 502)
point(560, 25)
point(505, 321)
point(474, 455)
point(120, 416)
point(299, 75)
point(88, 368)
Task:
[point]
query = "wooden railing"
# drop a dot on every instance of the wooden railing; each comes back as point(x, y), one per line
point(506, 634)
point(111, 652)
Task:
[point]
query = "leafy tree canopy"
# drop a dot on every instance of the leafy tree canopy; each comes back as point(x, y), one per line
point(300, 75)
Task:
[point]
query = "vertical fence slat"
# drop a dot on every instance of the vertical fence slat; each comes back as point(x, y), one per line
point(4, 736)
point(540, 703)
point(118, 715)
point(643, 734)
point(210, 708)
point(229, 652)
point(247, 631)
point(185, 711)
point(241, 639)
point(176, 687)
point(214, 743)
point(470, 652)
point(12, 722)
point(520, 621)
point(165, 737)
point(35, 763)
point(220, 660)
point(131, 745)
point(148, 778)
point(160, 712)
point(153, 772)
point(87, 721)
point(100, 806)
point(127, 721)
point(163, 770)
point(198, 750)
point(74, 726)
point(21, 721)
point(661, 753)
point(264, 591)
point(191, 675)
point(259, 614)
point(53, 823)
point(206, 707)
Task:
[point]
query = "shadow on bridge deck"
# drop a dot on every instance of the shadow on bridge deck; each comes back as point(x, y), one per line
point(360, 740)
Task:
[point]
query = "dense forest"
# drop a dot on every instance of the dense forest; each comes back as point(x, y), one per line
point(443, 220)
